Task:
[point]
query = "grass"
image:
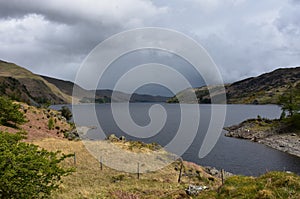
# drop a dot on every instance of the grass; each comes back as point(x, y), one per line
point(89, 181)
point(262, 124)
point(10, 69)
point(272, 185)
point(281, 126)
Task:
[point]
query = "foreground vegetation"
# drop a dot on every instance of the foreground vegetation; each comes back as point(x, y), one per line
point(27, 171)
point(10, 114)
point(89, 181)
point(270, 185)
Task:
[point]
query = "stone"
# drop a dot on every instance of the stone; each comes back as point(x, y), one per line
point(122, 138)
point(193, 190)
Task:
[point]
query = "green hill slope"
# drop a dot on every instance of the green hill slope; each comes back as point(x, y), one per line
point(22, 85)
point(263, 89)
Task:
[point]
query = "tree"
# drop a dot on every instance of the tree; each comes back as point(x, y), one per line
point(27, 171)
point(65, 111)
point(289, 101)
point(9, 113)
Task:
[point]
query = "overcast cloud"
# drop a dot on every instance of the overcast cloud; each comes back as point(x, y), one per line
point(244, 37)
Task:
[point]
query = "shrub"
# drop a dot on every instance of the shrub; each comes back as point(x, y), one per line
point(10, 114)
point(27, 171)
point(65, 111)
point(50, 123)
point(293, 121)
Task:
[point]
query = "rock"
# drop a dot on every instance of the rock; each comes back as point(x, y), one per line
point(276, 138)
point(122, 138)
point(72, 135)
point(212, 171)
point(194, 190)
point(255, 102)
point(216, 173)
point(254, 139)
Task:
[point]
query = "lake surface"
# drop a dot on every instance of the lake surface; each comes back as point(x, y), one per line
point(234, 155)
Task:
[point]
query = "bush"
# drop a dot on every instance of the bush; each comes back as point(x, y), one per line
point(50, 123)
point(27, 171)
point(10, 114)
point(293, 121)
point(65, 111)
point(289, 101)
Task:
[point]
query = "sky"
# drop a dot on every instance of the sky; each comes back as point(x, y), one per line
point(244, 37)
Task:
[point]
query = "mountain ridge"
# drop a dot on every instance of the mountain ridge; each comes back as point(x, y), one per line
point(263, 89)
point(22, 85)
point(102, 95)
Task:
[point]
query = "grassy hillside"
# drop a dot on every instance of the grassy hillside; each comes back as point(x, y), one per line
point(279, 185)
point(22, 85)
point(12, 88)
point(89, 181)
point(37, 125)
point(67, 87)
point(264, 89)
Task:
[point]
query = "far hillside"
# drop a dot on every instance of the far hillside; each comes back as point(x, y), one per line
point(101, 95)
point(263, 89)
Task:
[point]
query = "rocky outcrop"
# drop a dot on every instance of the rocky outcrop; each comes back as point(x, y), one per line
point(249, 130)
point(289, 143)
point(270, 134)
point(72, 135)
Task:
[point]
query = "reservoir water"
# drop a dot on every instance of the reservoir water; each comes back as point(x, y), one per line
point(234, 155)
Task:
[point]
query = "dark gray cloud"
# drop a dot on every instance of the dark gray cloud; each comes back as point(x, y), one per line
point(57, 35)
point(244, 38)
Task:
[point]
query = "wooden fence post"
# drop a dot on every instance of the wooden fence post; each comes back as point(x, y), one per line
point(222, 176)
point(74, 158)
point(101, 166)
point(138, 170)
